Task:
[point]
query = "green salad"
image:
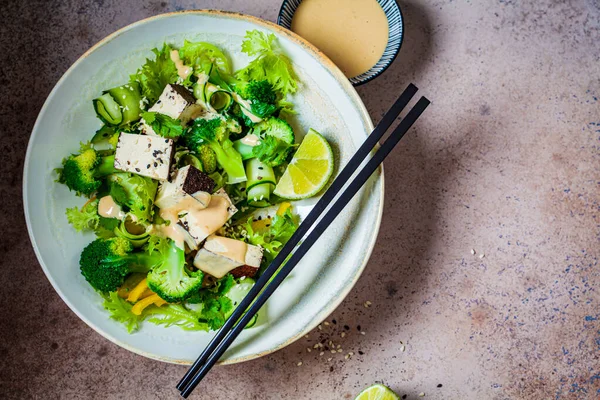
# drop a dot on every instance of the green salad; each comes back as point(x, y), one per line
point(190, 182)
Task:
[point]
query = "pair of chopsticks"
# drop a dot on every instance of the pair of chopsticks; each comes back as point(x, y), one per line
point(254, 300)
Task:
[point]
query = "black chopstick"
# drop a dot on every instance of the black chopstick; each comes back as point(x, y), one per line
point(312, 217)
point(209, 358)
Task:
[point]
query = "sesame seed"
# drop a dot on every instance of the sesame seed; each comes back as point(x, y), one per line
point(402, 348)
point(421, 394)
point(339, 350)
point(481, 255)
point(326, 323)
point(363, 333)
point(316, 346)
point(472, 251)
point(346, 356)
point(339, 346)
point(321, 353)
point(343, 334)
point(320, 327)
point(332, 351)
point(369, 303)
point(351, 353)
point(299, 364)
point(308, 349)
point(329, 359)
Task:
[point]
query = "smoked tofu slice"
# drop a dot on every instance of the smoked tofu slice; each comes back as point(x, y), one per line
point(200, 223)
point(189, 184)
point(144, 155)
point(177, 102)
point(220, 255)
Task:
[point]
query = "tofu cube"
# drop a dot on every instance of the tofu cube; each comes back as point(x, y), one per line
point(176, 102)
point(189, 183)
point(144, 155)
point(221, 255)
point(202, 223)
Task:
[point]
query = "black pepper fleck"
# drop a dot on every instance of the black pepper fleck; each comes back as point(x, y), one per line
point(149, 145)
point(259, 217)
point(439, 385)
point(259, 178)
point(148, 166)
point(333, 321)
point(155, 164)
point(260, 167)
point(358, 328)
point(360, 352)
point(137, 169)
point(405, 396)
point(346, 327)
point(331, 369)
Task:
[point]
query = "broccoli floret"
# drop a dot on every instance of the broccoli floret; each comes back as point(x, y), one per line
point(208, 158)
point(215, 134)
point(106, 262)
point(277, 128)
point(261, 96)
point(171, 280)
point(81, 172)
point(135, 194)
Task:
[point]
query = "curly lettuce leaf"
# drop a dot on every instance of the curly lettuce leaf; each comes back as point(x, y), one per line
point(175, 315)
point(199, 54)
point(120, 311)
point(270, 64)
point(85, 218)
point(135, 194)
point(272, 240)
point(163, 125)
point(155, 74)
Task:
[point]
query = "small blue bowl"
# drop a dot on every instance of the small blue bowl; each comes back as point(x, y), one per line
point(396, 29)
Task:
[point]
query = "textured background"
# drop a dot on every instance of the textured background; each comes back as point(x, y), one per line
point(505, 162)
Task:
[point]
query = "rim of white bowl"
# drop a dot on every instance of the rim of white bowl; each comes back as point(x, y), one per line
point(332, 69)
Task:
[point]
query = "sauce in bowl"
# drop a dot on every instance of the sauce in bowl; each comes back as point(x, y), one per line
point(352, 33)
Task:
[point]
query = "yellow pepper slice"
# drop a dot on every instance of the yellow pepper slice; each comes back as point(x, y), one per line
point(283, 208)
point(139, 307)
point(137, 291)
point(130, 283)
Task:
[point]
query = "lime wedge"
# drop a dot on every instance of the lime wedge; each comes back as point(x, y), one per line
point(309, 170)
point(377, 392)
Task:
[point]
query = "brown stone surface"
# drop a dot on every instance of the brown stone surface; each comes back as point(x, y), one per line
point(505, 162)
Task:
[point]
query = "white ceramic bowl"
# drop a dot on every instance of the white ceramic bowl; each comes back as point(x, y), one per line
point(326, 102)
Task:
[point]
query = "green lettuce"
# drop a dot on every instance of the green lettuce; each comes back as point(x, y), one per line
point(155, 74)
point(275, 237)
point(198, 54)
point(87, 219)
point(270, 63)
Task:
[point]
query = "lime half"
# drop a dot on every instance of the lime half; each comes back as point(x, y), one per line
point(309, 170)
point(377, 392)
